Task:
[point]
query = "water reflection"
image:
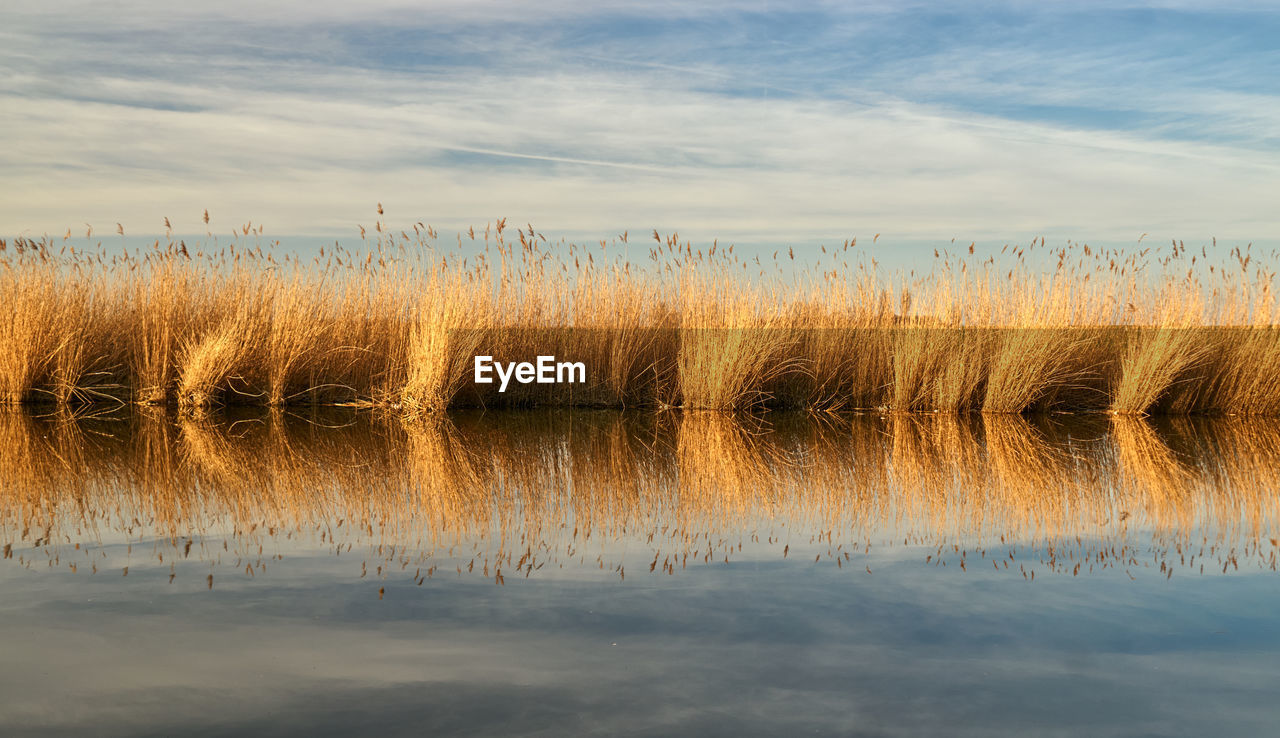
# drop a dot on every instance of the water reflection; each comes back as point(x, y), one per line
point(522, 490)
point(637, 573)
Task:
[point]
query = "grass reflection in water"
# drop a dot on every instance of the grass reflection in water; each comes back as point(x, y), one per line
point(520, 494)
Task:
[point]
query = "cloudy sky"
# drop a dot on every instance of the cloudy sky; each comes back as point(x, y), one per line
point(747, 121)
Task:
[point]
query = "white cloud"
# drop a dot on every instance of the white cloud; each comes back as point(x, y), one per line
point(308, 143)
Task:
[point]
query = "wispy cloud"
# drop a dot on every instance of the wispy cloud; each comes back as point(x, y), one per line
point(736, 122)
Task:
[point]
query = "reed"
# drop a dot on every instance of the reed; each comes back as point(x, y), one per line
point(397, 322)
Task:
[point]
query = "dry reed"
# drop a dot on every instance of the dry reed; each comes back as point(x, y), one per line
point(397, 324)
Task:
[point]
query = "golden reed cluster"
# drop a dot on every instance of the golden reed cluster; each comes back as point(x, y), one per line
point(518, 492)
point(657, 322)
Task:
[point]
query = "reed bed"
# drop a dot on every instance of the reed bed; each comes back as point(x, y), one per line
point(396, 324)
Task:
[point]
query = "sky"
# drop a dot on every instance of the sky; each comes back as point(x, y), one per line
point(752, 122)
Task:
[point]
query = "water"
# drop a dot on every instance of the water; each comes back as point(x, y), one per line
point(638, 574)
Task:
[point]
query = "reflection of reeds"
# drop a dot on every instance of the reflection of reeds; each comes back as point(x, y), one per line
point(723, 467)
point(1053, 486)
point(542, 484)
point(1151, 476)
point(1237, 463)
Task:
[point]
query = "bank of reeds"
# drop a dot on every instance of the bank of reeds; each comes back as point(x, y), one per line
point(398, 322)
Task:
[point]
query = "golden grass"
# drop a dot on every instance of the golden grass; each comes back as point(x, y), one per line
point(397, 324)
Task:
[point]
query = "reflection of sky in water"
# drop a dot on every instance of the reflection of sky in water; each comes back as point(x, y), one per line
point(762, 644)
point(766, 646)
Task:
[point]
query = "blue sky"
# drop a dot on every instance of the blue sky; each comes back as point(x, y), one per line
point(753, 122)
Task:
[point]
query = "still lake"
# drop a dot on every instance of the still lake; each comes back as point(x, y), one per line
point(637, 573)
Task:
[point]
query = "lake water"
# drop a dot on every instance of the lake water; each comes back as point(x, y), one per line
point(637, 573)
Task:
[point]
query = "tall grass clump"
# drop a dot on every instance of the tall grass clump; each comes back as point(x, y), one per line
point(840, 353)
point(1157, 356)
point(160, 301)
point(30, 291)
point(731, 343)
point(444, 336)
point(58, 337)
point(1047, 347)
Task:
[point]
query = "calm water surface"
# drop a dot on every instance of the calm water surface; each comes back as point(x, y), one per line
point(544, 573)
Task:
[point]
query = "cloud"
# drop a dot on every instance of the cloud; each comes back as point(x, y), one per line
point(736, 124)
